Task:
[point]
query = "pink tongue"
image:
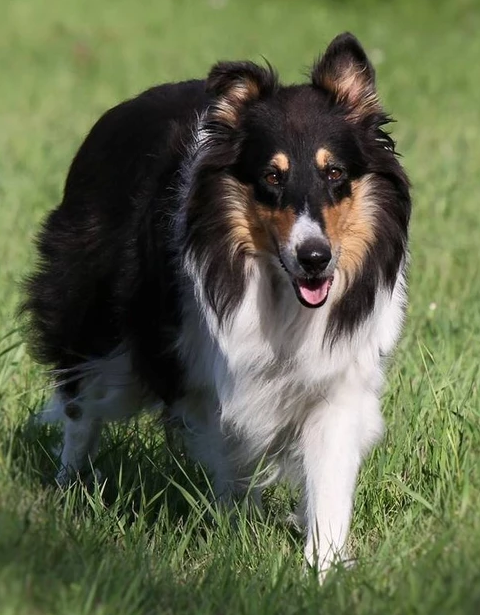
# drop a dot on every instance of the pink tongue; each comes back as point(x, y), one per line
point(314, 293)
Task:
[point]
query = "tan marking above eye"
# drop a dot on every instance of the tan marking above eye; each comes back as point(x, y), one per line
point(323, 157)
point(281, 161)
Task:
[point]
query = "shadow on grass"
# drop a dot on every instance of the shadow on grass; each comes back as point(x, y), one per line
point(133, 460)
point(141, 477)
point(146, 540)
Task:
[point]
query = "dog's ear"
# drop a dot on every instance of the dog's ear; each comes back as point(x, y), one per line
point(345, 72)
point(234, 85)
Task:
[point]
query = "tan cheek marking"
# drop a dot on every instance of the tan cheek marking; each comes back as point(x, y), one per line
point(281, 161)
point(247, 231)
point(254, 227)
point(322, 157)
point(276, 222)
point(350, 226)
point(248, 234)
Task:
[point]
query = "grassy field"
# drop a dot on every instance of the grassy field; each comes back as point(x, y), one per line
point(148, 543)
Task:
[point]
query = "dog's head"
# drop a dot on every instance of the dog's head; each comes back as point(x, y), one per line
point(301, 175)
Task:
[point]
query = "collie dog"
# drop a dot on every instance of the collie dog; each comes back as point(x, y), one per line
point(233, 250)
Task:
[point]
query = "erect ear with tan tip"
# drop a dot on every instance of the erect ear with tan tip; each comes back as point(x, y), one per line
point(235, 84)
point(345, 72)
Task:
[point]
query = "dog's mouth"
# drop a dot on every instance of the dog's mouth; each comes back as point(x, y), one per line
point(313, 292)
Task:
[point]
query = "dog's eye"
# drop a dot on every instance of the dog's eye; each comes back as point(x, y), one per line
point(272, 178)
point(334, 174)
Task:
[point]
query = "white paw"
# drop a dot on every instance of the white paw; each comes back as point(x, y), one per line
point(324, 562)
point(67, 475)
point(97, 476)
point(295, 521)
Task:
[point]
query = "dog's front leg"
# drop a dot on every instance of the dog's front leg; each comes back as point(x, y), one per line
point(336, 436)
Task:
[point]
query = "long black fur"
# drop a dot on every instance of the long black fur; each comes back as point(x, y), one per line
point(106, 275)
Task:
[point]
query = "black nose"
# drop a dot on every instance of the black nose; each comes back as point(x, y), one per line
point(313, 257)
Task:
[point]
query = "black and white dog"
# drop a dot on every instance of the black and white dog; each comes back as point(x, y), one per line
point(234, 249)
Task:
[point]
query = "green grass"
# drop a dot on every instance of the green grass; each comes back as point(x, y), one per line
point(148, 543)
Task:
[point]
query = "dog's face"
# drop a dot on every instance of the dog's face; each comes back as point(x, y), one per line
point(305, 172)
point(308, 203)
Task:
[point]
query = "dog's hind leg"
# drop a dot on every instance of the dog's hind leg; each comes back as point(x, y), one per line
point(107, 391)
point(81, 443)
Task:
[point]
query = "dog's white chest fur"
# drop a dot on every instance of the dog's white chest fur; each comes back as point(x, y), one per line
point(261, 374)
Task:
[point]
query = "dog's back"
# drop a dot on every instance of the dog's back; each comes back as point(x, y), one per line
point(96, 287)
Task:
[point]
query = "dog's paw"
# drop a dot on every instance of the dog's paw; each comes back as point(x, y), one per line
point(67, 476)
point(327, 563)
point(294, 521)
